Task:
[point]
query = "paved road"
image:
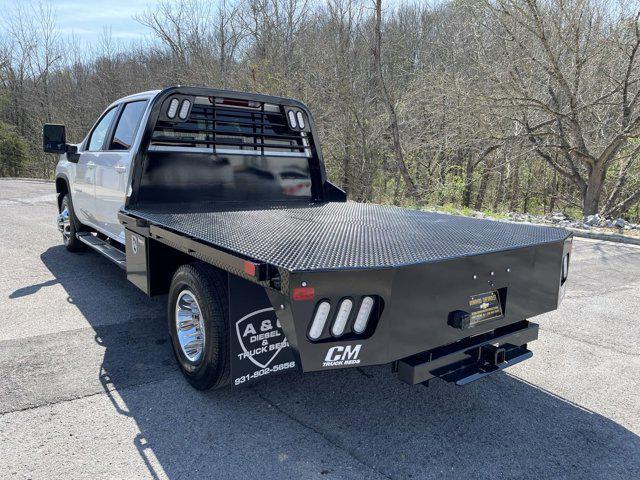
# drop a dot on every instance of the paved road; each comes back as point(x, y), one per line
point(89, 388)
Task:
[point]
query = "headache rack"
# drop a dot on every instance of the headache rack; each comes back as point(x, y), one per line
point(222, 125)
point(201, 145)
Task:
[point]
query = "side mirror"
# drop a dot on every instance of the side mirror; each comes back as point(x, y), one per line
point(54, 138)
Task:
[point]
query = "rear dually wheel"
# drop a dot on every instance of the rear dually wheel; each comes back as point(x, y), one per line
point(198, 325)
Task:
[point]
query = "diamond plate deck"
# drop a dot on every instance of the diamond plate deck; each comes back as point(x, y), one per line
point(336, 236)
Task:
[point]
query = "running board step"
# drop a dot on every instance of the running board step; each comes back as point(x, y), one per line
point(112, 253)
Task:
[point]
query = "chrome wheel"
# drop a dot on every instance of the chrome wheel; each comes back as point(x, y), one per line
point(64, 224)
point(189, 326)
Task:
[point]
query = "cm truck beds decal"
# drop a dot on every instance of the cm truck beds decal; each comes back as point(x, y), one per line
point(342, 355)
point(258, 344)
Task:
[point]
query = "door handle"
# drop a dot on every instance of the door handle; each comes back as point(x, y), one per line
point(121, 168)
point(90, 165)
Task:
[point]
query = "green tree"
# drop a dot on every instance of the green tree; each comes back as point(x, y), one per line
point(13, 151)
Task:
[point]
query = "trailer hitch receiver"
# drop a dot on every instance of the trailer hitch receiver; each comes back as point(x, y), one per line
point(491, 357)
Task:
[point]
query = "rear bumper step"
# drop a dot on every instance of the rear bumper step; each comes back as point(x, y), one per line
point(473, 358)
point(112, 253)
point(475, 371)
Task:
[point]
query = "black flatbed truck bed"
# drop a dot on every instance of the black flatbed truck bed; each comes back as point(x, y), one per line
point(399, 255)
point(307, 237)
point(286, 267)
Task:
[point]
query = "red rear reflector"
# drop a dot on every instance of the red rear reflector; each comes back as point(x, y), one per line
point(303, 293)
point(250, 268)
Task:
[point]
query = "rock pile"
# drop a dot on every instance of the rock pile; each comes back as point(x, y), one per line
point(588, 223)
point(591, 222)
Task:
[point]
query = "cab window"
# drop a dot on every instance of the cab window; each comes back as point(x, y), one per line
point(127, 126)
point(99, 134)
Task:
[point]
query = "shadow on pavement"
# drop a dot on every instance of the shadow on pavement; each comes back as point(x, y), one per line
point(31, 289)
point(498, 427)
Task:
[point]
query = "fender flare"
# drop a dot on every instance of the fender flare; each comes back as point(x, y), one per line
point(65, 179)
point(60, 195)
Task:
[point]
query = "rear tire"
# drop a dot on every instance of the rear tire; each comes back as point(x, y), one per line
point(69, 225)
point(198, 325)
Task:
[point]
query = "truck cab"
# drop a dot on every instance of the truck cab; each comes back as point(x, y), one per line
point(97, 173)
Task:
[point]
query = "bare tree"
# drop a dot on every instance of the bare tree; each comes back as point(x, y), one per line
point(576, 103)
point(511, 104)
point(389, 100)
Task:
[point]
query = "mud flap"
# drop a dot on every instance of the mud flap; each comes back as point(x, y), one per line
point(258, 345)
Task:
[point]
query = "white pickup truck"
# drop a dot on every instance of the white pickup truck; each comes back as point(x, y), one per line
point(220, 199)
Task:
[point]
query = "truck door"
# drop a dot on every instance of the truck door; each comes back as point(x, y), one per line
point(113, 166)
point(83, 195)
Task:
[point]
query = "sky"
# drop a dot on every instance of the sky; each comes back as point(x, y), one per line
point(88, 19)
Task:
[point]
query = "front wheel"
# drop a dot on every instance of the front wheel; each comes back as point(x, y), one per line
point(68, 225)
point(198, 325)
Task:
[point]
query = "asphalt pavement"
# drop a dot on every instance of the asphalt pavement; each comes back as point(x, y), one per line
point(89, 387)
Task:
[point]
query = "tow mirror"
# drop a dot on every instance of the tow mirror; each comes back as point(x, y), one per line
point(54, 138)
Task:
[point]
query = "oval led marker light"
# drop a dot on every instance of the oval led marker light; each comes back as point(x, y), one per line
point(340, 322)
point(319, 319)
point(366, 306)
point(184, 109)
point(173, 108)
point(292, 119)
point(565, 267)
point(300, 119)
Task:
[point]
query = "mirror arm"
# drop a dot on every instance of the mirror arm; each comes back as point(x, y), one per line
point(72, 153)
